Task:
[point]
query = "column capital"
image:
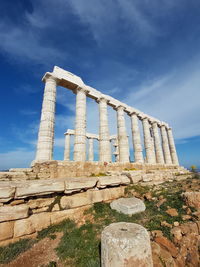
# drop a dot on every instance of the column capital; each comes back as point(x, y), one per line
point(130, 113)
point(118, 107)
point(49, 76)
point(80, 89)
point(102, 99)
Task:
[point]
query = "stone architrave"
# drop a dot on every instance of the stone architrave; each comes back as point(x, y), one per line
point(104, 136)
point(46, 130)
point(172, 147)
point(165, 144)
point(138, 156)
point(91, 149)
point(158, 147)
point(122, 136)
point(80, 126)
point(125, 244)
point(150, 156)
point(67, 147)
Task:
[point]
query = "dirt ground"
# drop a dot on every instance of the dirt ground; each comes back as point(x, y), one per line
point(39, 255)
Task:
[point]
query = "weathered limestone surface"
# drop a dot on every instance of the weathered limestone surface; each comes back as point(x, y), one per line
point(77, 184)
point(165, 143)
point(122, 136)
point(125, 244)
point(128, 206)
point(9, 213)
point(104, 137)
point(80, 126)
point(46, 131)
point(6, 230)
point(39, 188)
point(67, 147)
point(138, 156)
point(6, 193)
point(158, 148)
point(150, 158)
point(172, 147)
point(112, 181)
point(91, 150)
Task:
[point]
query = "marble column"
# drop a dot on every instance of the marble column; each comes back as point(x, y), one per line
point(46, 130)
point(138, 156)
point(91, 149)
point(67, 147)
point(165, 145)
point(116, 152)
point(172, 147)
point(150, 155)
point(80, 126)
point(158, 147)
point(104, 136)
point(122, 135)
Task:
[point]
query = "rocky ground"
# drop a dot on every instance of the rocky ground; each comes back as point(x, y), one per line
point(172, 217)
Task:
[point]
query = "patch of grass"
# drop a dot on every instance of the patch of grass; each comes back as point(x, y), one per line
point(50, 264)
point(137, 188)
point(10, 252)
point(66, 224)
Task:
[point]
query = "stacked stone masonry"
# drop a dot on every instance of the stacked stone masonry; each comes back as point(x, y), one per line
point(29, 206)
point(158, 147)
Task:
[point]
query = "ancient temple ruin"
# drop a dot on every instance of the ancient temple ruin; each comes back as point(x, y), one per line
point(159, 147)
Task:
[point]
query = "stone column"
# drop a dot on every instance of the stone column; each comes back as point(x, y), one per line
point(172, 147)
point(158, 147)
point(46, 130)
point(80, 126)
point(104, 137)
point(122, 135)
point(67, 147)
point(138, 156)
point(91, 149)
point(165, 144)
point(125, 245)
point(150, 156)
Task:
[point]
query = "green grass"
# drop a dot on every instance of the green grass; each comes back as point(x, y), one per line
point(10, 252)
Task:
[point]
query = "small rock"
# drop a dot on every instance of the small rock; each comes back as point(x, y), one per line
point(156, 233)
point(177, 234)
point(160, 202)
point(186, 217)
point(148, 196)
point(166, 244)
point(176, 223)
point(166, 224)
point(172, 212)
point(17, 202)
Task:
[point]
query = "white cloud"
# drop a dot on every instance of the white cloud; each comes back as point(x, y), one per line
point(18, 158)
point(173, 98)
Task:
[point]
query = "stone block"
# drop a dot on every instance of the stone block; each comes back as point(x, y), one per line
point(77, 200)
point(43, 187)
point(23, 227)
point(40, 221)
point(192, 199)
point(104, 181)
point(40, 202)
point(6, 230)
point(128, 205)
point(9, 213)
point(6, 193)
point(76, 184)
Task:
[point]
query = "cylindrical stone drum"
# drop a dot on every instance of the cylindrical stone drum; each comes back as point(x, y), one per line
point(125, 245)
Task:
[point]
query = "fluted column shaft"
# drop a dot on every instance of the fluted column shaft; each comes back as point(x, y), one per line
point(172, 147)
point(80, 126)
point(165, 144)
point(122, 136)
point(150, 155)
point(67, 147)
point(104, 137)
point(138, 156)
point(46, 130)
point(158, 147)
point(91, 150)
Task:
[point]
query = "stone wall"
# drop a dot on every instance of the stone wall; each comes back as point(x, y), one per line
point(30, 206)
point(63, 169)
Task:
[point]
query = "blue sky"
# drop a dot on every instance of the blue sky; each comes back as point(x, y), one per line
point(144, 53)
